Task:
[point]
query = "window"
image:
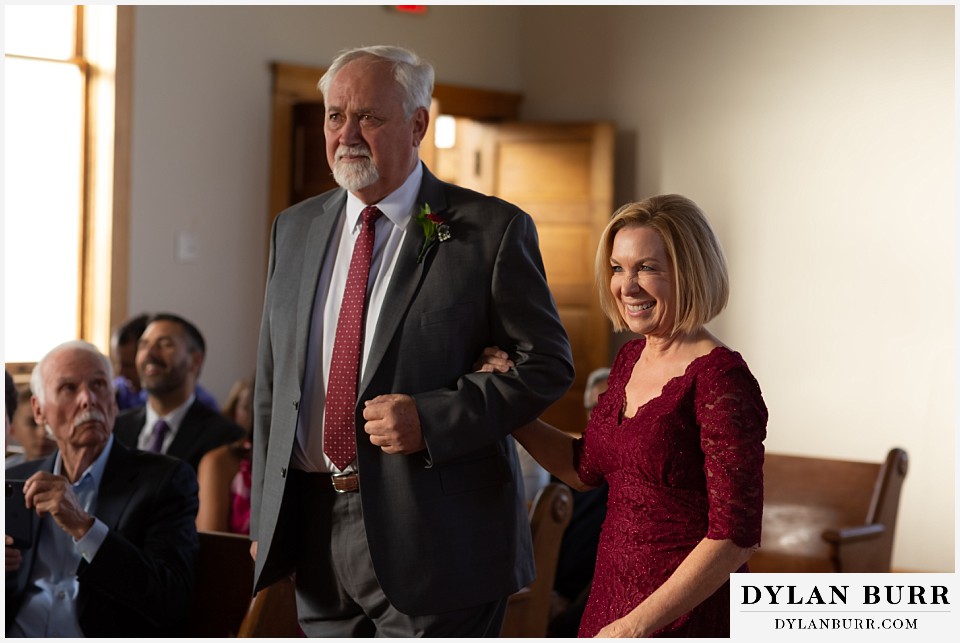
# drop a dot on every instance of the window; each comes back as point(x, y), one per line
point(66, 106)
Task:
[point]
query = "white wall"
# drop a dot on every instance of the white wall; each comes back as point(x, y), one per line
point(819, 140)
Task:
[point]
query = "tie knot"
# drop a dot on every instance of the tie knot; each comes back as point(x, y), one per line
point(370, 214)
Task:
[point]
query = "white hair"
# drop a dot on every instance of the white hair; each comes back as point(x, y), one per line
point(412, 73)
point(37, 381)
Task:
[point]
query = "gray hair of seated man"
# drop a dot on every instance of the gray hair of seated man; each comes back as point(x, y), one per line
point(597, 376)
point(36, 377)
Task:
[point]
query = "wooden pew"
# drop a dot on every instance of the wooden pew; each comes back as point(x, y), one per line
point(273, 612)
point(528, 610)
point(222, 585)
point(824, 515)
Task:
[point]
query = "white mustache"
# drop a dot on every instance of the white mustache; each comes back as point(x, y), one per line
point(91, 415)
point(352, 150)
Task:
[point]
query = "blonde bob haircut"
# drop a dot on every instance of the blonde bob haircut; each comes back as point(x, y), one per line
point(700, 282)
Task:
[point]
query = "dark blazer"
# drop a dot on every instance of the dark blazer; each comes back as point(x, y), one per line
point(139, 583)
point(447, 527)
point(202, 429)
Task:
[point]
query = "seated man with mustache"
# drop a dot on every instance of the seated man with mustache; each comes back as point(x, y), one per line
point(113, 540)
point(169, 358)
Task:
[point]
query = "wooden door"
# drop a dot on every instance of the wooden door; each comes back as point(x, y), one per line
point(562, 175)
point(310, 174)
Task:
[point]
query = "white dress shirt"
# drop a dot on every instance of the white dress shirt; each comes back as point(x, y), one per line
point(174, 419)
point(397, 208)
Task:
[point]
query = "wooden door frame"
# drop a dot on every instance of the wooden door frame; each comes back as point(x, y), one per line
point(489, 139)
point(292, 83)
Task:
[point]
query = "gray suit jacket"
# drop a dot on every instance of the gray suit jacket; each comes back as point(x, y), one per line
point(447, 527)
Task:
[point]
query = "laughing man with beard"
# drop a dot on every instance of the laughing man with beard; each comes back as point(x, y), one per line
point(113, 542)
point(169, 358)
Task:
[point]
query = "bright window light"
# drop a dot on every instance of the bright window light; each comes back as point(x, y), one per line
point(43, 126)
point(445, 132)
point(40, 31)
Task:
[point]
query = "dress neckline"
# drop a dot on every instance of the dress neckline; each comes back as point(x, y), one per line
point(622, 416)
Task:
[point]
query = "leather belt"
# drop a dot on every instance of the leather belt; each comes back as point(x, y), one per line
point(345, 482)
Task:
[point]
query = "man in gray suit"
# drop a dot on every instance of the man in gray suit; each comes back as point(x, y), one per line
point(411, 523)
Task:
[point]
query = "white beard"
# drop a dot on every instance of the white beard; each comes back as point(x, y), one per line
point(354, 175)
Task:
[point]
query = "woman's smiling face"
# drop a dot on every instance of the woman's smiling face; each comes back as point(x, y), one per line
point(642, 281)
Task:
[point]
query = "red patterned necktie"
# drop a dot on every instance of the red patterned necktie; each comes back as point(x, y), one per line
point(339, 432)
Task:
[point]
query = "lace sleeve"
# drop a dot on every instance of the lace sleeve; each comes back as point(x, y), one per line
point(590, 475)
point(733, 420)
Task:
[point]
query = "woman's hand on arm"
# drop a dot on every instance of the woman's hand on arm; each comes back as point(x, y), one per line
point(549, 446)
point(493, 360)
point(702, 572)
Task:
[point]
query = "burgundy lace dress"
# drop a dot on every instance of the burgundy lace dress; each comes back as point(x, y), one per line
point(688, 465)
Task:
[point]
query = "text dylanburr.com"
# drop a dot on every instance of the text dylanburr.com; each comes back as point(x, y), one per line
point(829, 607)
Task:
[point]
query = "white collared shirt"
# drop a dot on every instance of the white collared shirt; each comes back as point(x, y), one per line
point(174, 419)
point(397, 208)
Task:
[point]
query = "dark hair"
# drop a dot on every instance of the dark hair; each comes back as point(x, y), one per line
point(194, 337)
point(11, 396)
point(129, 331)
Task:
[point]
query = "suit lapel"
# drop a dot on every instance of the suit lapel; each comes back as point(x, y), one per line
point(183, 440)
point(116, 485)
point(23, 576)
point(406, 279)
point(130, 428)
point(318, 241)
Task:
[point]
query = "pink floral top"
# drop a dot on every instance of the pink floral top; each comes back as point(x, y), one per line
point(240, 499)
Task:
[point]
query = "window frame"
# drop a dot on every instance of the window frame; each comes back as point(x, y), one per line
point(103, 51)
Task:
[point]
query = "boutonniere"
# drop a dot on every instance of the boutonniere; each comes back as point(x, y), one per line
point(435, 230)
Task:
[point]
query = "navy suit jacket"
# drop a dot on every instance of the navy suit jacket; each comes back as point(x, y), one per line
point(447, 527)
point(202, 429)
point(140, 581)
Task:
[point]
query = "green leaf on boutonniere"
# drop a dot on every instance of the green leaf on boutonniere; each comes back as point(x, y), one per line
point(435, 230)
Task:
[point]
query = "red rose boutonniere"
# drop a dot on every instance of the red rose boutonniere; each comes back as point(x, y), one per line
point(435, 230)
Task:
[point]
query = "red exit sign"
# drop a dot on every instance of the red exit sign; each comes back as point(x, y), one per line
point(419, 9)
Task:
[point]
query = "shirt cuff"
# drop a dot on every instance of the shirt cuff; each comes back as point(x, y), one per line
point(89, 545)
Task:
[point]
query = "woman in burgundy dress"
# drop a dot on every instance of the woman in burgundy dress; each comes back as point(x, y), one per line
point(678, 436)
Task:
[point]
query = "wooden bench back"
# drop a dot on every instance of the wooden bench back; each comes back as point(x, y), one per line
point(823, 515)
point(528, 610)
point(223, 585)
point(273, 612)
